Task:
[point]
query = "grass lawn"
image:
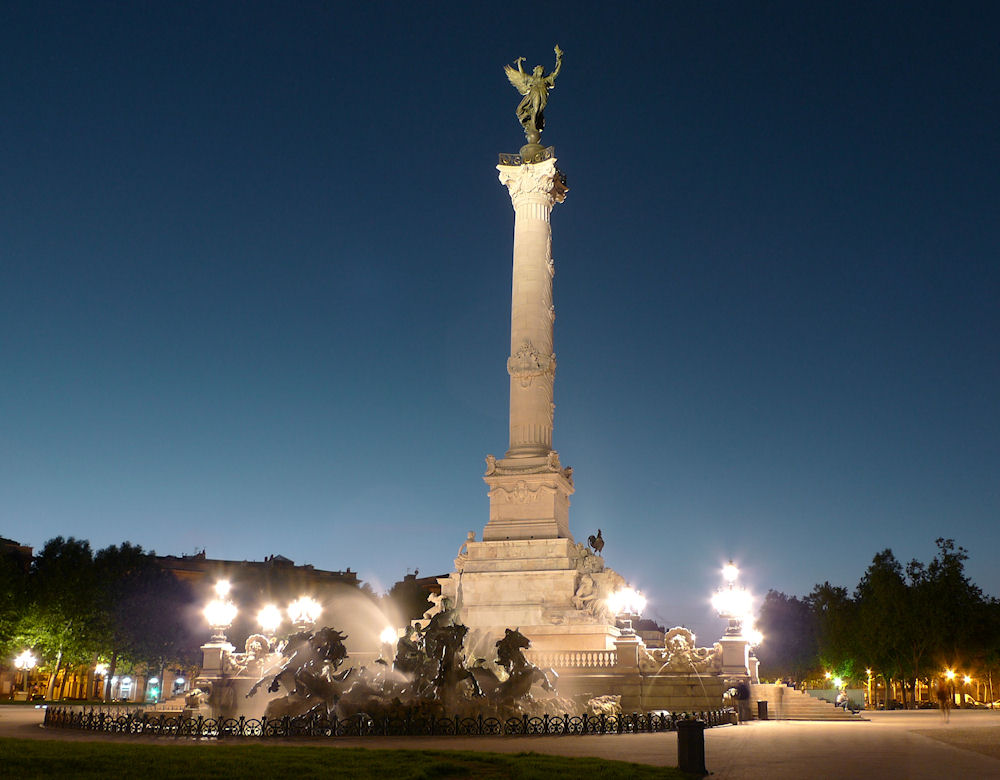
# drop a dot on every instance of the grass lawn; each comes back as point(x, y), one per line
point(52, 758)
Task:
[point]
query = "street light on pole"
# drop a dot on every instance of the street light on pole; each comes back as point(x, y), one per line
point(269, 618)
point(304, 611)
point(220, 612)
point(733, 603)
point(24, 663)
point(626, 604)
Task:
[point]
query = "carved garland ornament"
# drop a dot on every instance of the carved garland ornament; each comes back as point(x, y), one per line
point(520, 493)
point(528, 362)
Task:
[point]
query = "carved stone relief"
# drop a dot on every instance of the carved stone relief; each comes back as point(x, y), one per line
point(528, 362)
point(540, 179)
point(681, 655)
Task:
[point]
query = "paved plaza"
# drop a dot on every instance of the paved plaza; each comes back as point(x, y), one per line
point(888, 745)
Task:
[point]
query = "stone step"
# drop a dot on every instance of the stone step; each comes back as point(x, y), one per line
point(784, 703)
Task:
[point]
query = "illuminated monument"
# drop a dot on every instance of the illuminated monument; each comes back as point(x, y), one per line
point(528, 571)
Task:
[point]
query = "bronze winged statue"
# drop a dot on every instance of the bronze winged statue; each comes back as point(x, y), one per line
point(535, 87)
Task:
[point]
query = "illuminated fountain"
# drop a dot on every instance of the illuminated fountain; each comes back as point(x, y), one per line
point(310, 671)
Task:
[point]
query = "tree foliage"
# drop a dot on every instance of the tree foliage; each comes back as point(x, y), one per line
point(789, 648)
point(77, 606)
point(903, 623)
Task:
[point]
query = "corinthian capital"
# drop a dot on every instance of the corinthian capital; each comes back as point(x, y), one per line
point(537, 181)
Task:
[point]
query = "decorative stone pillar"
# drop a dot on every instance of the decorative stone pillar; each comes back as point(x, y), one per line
point(735, 656)
point(529, 488)
point(626, 671)
point(534, 189)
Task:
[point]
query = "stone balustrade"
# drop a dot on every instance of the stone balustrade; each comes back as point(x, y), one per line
point(573, 659)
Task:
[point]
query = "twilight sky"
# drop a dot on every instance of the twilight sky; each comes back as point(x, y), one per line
point(255, 281)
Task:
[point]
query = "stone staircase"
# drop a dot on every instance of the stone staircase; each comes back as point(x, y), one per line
point(784, 703)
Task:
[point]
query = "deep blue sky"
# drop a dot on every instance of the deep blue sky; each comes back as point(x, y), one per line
point(255, 279)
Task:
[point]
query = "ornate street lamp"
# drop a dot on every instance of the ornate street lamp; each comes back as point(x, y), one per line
point(626, 604)
point(731, 602)
point(304, 611)
point(269, 618)
point(220, 612)
point(24, 663)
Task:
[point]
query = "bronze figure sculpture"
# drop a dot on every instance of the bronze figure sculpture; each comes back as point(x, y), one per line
point(596, 542)
point(535, 87)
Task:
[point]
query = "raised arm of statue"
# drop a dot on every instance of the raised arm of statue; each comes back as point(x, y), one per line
point(551, 78)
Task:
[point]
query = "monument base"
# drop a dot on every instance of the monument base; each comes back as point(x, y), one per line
point(553, 591)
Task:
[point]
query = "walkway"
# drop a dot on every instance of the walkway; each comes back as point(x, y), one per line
point(891, 745)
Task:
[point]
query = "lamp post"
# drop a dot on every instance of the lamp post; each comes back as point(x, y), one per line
point(269, 618)
point(303, 612)
point(220, 612)
point(24, 663)
point(732, 602)
point(100, 673)
point(624, 605)
point(735, 605)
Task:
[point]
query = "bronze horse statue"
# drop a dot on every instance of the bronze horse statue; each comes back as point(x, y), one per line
point(308, 675)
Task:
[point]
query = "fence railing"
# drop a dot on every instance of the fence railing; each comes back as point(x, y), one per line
point(408, 725)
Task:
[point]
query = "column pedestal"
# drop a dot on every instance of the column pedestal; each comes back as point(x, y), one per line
point(735, 656)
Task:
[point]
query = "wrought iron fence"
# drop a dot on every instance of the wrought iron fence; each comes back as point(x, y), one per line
point(408, 725)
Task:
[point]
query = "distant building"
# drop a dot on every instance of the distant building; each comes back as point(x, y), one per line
point(19, 552)
point(274, 573)
point(411, 595)
point(275, 580)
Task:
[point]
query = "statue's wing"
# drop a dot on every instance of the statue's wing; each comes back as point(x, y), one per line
point(517, 79)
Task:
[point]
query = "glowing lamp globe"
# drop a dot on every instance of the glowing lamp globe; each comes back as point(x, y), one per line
point(220, 615)
point(626, 601)
point(25, 661)
point(732, 603)
point(388, 636)
point(304, 611)
point(269, 618)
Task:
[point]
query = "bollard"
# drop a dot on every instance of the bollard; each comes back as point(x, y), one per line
point(691, 746)
point(762, 710)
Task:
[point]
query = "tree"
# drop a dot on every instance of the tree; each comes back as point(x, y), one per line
point(146, 611)
point(888, 634)
point(13, 599)
point(836, 618)
point(64, 619)
point(954, 613)
point(789, 647)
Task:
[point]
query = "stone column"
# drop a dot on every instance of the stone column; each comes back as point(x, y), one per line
point(534, 189)
point(529, 488)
